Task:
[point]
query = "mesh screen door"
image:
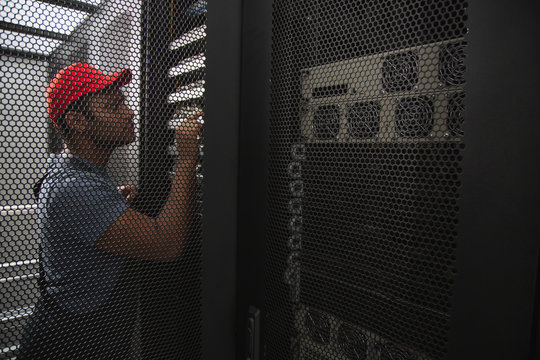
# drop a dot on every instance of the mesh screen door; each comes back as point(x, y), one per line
point(100, 108)
point(365, 161)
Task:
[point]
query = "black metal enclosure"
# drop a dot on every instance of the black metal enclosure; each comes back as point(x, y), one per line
point(401, 217)
point(365, 184)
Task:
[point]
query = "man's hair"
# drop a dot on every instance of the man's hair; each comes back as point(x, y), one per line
point(81, 105)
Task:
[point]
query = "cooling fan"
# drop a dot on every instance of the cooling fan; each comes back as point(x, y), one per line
point(454, 122)
point(400, 72)
point(414, 117)
point(326, 122)
point(363, 120)
point(318, 326)
point(352, 343)
point(452, 63)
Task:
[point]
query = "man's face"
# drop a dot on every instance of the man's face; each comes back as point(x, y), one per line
point(113, 120)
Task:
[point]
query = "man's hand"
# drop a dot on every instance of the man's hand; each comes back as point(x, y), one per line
point(187, 142)
point(129, 192)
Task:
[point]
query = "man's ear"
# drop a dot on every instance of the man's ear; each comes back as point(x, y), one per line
point(76, 121)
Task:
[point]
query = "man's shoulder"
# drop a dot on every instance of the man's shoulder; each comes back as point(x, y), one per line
point(67, 168)
point(64, 182)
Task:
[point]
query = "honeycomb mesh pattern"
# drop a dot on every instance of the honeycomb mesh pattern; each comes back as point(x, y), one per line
point(105, 263)
point(366, 146)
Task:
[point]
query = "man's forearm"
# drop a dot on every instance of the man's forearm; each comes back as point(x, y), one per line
point(173, 220)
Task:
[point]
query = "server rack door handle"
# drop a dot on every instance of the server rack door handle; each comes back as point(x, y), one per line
point(253, 334)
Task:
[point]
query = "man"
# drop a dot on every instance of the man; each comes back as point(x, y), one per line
point(88, 233)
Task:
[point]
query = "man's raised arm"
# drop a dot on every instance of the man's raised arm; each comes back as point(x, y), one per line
point(162, 238)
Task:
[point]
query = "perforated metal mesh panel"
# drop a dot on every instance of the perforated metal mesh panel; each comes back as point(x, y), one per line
point(106, 262)
point(365, 164)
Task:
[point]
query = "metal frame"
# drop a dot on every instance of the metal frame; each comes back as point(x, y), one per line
point(4, 25)
point(253, 162)
point(74, 5)
point(220, 169)
point(24, 54)
point(254, 157)
point(498, 242)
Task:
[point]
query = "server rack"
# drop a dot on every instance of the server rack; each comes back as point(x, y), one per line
point(491, 276)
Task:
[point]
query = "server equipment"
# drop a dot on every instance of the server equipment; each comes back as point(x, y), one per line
point(373, 195)
point(373, 248)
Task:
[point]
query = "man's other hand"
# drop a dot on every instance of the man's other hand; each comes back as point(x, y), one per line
point(129, 192)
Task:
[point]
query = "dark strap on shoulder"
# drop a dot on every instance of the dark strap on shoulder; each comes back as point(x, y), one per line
point(37, 186)
point(41, 280)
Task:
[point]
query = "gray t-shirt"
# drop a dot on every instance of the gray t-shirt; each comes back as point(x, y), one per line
point(77, 203)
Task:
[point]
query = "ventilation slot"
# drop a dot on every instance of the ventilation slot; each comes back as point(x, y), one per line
point(327, 91)
point(363, 120)
point(414, 117)
point(326, 122)
point(400, 72)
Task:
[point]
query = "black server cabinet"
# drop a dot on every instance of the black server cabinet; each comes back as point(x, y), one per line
point(356, 239)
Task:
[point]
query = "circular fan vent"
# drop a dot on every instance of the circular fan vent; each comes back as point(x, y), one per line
point(326, 122)
point(414, 117)
point(400, 72)
point(363, 120)
point(456, 105)
point(392, 352)
point(352, 342)
point(318, 326)
point(452, 63)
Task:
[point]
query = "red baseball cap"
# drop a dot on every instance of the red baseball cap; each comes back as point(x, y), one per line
point(77, 80)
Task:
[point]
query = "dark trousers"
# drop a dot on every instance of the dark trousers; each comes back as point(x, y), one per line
point(54, 333)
